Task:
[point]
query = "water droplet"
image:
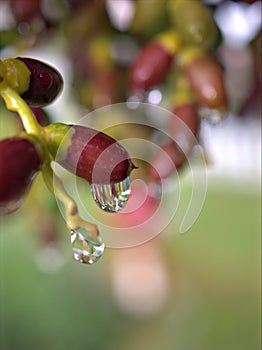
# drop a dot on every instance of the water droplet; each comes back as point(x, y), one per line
point(212, 116)
point(111, 197)
point(86, 249)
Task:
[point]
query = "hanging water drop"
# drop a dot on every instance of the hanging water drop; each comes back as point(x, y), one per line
point(111, 197)
point(86, 249)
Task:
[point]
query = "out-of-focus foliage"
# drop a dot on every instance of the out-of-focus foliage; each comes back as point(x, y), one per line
point(213, 300)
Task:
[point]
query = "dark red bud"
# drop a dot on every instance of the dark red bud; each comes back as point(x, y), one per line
point(184, 127)
point(166, 161)
point(206, 77)
point(188, 114)
point(96, 157)
point(19, 163)
point(26, 10)
point(150, 67)
point(45, 83)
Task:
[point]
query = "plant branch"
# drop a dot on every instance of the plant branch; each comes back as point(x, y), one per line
point(73, 219)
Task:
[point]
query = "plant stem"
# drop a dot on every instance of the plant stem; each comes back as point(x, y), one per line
point(73, 218)
point(16, 104)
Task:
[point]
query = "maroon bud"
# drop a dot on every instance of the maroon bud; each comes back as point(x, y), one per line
point(150, 67)
point(188, 114)
point(166, 161)
point(95, 156)
point(184, 127)
point(206, 77)
point(19, 163)
point(45, 83)
point(26, 10)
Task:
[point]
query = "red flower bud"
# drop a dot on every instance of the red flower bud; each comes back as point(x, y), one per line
point(206, 77)
point(45, 83)
point(166, 161)
point(26, 11)
point(184, 127)
point(19, 163)
point(94, 156)
point(188, 114)
point(150, 67)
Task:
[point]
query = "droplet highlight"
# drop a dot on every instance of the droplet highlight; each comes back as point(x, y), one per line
point(111, 197)
point(86, 249)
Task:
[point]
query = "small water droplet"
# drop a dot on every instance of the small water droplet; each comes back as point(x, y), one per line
point(212, 116)
point(111, 197)
point(86, 249)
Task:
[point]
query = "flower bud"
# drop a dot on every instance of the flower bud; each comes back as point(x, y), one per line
point(26, 11)
point(206, 77)
point(45, 83)
point(151, 24)
point(194, 22)
point(88, 153)
point(16, 74)
point(19, 162)
point(153, 62)
point(184, 127)
point(166, 161)
point(188, 114)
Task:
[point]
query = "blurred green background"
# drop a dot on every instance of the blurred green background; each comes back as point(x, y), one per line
point(213, 299)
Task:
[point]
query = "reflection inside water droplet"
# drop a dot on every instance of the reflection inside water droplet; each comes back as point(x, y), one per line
point(86, 249)
point(111, 197)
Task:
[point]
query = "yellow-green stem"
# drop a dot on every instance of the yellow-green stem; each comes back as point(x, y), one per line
point(16, 104)
point(73, 219)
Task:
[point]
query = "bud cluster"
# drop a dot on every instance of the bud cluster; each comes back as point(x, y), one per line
point(169, 48)
point(26, 85)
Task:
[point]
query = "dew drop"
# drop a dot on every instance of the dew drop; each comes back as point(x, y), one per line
point(111, 197)
point(86, 249)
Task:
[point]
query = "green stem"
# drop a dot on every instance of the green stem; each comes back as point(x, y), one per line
point(16, 104)
point(73, 219)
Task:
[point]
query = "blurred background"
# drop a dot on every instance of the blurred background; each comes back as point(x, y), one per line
point(199, 290)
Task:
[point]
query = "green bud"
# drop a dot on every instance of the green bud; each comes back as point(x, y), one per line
point(194, 22)
point(16, 74)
